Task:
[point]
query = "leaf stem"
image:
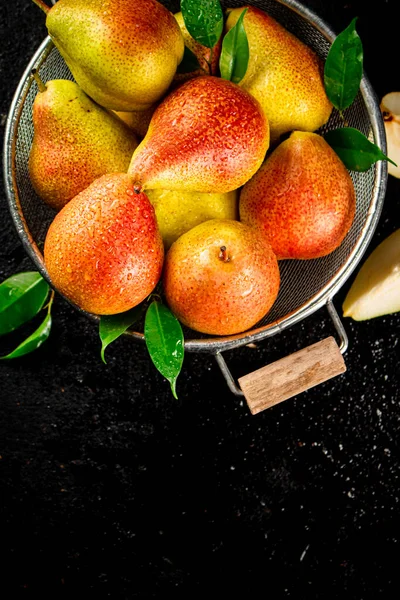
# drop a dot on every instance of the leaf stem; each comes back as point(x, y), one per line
point(173, 389)
point(341, 115)
point(154, 296)
point(50, 302)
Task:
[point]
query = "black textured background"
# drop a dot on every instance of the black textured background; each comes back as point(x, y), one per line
point(112, 488)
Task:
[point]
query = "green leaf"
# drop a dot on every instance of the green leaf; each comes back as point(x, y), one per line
point(235, 52)
point(164, 340)
point(189, 62)
point(344, 68)
point(22, 296)
point(33, 342)
point(204, 20)
point(112, 327)
point(354, 149)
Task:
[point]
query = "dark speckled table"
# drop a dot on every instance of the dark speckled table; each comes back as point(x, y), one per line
point(113, 489)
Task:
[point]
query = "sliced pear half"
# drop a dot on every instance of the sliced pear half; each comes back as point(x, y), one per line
point(390, 108)
point(376, 289)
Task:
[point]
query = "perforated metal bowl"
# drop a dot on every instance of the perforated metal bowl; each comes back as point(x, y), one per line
point(305, 285)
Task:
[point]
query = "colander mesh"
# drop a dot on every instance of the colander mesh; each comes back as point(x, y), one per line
point(300, 280)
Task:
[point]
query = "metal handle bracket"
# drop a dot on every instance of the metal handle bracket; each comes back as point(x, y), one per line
point(292, 374)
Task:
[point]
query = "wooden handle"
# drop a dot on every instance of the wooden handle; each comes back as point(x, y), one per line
point(292, 375)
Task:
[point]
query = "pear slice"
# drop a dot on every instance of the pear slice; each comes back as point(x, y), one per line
point(376, 289)
point(390, 108)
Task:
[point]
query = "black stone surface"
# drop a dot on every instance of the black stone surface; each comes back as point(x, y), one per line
point(113, 489)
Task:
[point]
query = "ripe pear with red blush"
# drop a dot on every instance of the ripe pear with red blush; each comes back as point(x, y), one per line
point(302, 200)
point(220, 277)
point(208, 135)
point(103, 251)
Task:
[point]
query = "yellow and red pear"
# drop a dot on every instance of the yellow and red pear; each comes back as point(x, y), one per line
point(103, 251)
point(302, 199)
point(123, 53)
point(283, 73)
point(75, 141)
point(220, 277)
point(208, 135)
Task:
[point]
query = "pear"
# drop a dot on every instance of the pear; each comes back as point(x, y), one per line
point(302, 199)
point(103, 251)
point(390, 109)
point(208, 58)
point(208, 135)
point(285, 75)
point(376, 289)
point(220, 277)
point(123, 53)
point(177, 212)
point(138, 120)
point(75, 141)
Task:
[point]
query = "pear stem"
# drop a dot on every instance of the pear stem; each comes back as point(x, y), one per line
point(42, 5)
point(223, 255)
point(209, 62)
point(40, 84)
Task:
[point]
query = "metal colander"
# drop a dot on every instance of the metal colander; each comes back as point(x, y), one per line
point(305, 285)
